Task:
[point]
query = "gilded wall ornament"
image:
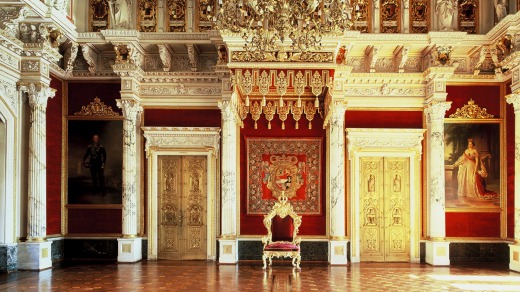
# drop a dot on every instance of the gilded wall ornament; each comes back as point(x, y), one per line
point(471, 111)
point(468, 16)
point(361, 15)
point(176, 20)
point(147, 15)
point(390, 14)
point(98, 15)
point(420, 16)
point(96, 108)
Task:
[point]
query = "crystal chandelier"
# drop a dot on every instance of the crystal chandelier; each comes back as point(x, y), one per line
point(265, 25)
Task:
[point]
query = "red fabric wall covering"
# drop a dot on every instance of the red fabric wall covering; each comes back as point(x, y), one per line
point(252, 224)
point(82, 93)
point(54, 145)
point(510, 148)
point(182, 118)
point(95, 221)
point(485, 96)
point(473, 224)
point(384, 119)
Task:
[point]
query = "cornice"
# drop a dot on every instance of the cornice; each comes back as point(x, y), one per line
point(388, 78)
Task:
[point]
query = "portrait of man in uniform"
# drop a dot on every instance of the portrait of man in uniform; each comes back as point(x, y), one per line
point(95, 161)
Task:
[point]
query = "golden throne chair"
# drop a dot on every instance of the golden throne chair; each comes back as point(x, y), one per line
point(282, 239)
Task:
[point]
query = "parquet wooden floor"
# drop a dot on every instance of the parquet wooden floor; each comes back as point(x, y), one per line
point(208, 276)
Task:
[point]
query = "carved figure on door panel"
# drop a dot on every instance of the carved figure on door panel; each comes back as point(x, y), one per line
point(195, 182)
point(371, 183)
point(397, 216)
point(195, 215)
point(371, 216)
point(169, 217)
point(397, 183)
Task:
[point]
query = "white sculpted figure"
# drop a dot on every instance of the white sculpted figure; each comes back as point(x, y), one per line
point(445, 10)
point(500, 9)
point(121, 11)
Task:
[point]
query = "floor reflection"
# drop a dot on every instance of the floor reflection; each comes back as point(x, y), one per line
point(209, 276)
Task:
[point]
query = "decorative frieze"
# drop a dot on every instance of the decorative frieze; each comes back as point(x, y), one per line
point(181, 90)
point(30, 66)
point(311, 57)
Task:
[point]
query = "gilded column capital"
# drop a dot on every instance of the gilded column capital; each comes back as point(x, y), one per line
point(436, 110)
point(514, 99)
point(228, 111)
point(38, 93)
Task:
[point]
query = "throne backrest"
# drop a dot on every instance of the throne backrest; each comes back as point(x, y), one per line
point(282, 223)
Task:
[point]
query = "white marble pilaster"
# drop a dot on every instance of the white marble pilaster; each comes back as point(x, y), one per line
point(129, 251)
point(336, 184)
point(514, 249)
point(37, 189)
point(34, 254)
point(230, 153)
point(437, 249)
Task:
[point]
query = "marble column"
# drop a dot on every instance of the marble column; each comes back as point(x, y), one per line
point(514, 248)
point(437, 248)
point(129, 247)
point(336, 184)
point(228, 252)
point(35, 253)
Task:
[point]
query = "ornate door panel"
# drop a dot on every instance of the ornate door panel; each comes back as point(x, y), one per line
point(384, 209)
point(182, 207)
point(397, 209)
point(371, 205)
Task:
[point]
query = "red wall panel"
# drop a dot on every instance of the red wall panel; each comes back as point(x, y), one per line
point(510, 148)
point(384, 119)
point(252, 224)
point(54, 145)
point(485, 96)
point(82, 93)
point(182, 118)
point(473, 224)
point(95, 221)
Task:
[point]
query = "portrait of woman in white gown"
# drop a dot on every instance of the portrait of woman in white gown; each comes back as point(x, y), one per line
point(472, 165)
point(471, 175)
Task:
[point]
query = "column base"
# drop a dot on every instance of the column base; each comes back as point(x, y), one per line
point(8, 257)
point(338, 252)
point(438, 253)
point(228, 251)
point(514, 257)
point(129, 250)
point(34, 255)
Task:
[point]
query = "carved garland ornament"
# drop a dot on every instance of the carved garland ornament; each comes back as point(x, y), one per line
point(96, 108)
point(471, 111)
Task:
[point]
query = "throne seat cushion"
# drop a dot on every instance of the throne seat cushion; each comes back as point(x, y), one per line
point(281, 246)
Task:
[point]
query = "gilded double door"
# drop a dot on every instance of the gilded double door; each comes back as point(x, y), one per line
point(385, 209)
point(182, 203)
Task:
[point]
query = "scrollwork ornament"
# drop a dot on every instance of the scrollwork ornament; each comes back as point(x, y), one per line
point(471, 111)
point(96, 108)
